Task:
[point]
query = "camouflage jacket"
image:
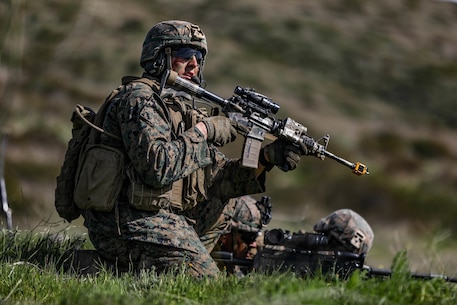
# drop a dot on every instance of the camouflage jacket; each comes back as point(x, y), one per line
point(162, 153)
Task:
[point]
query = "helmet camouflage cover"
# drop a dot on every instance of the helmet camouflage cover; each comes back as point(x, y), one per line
point(173, 33)
point(349, 229)
point(247, 216)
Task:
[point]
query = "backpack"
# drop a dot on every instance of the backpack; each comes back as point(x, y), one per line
point(83, 119)
point(85, 126)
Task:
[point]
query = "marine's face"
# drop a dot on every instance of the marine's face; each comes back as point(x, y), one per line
point(234, 243)
point(186, 62)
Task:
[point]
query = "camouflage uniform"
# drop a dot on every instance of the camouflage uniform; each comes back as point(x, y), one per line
point(162, 150)
point(344, 231)
point(245, 218)
point(218, 213)
point(327, 251)
point(216, 221)
point(241, 214)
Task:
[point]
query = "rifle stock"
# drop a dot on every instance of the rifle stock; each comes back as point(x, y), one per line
point(255, 112)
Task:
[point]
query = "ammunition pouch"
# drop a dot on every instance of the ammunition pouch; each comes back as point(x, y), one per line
point(99, 177)
point(143, 197)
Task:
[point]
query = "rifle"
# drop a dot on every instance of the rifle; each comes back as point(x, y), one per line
point(307, 254)
point(377, 272)
point(255, 111)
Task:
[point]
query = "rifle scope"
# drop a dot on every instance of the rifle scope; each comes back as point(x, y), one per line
point(301, 241)
point(265, 103)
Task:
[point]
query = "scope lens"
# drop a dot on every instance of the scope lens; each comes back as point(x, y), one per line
point(274, 236)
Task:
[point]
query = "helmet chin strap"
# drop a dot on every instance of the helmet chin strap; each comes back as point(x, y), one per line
point(167, 52)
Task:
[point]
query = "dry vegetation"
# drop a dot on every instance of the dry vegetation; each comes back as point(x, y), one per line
point(378, 76)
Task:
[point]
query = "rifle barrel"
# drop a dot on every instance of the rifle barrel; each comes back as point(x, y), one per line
point(420, 276)
point(173, 79)
point(358, 168)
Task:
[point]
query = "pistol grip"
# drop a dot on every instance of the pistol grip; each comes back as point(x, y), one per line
point(251, 151)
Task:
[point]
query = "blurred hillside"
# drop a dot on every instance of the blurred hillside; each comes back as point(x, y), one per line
point(378, 76)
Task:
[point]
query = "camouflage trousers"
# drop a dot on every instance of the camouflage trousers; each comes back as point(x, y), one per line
point(137, 255)
point(167, 242)
point(212, 219)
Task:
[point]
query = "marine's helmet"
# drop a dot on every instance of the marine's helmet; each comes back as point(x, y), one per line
point(165, 36)
point(247, 216)
point(348, 229)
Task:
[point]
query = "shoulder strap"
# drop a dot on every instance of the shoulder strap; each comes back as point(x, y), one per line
point(95, 136)
point(156, 91)
point(129, 79)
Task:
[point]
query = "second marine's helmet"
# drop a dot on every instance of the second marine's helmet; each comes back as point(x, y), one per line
point(348, 229)
point(247, 216)
point(165, 36)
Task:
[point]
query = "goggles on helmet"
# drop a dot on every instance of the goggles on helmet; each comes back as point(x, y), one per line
point(187, 53)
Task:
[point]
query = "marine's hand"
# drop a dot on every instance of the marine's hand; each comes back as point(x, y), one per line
point(284, 154)
point(220, 130)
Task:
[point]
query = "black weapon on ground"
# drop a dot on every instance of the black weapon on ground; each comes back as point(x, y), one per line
point(226, 258)
point(307, 254)
point(304, 254)
point(297, 241)
point(256, 113)
point(376, 272)
point(302, 263)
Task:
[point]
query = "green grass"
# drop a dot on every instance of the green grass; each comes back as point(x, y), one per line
point(29, 275)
